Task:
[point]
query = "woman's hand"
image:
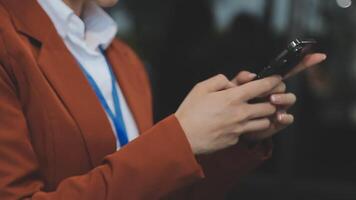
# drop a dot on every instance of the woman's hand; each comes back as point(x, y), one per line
point(283, 101)
point(279, 121)
point(216, 112)
point(277, 97)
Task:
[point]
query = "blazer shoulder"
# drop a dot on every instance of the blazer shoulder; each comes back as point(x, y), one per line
point(7, 28)
point(135, 62)
point(126, 49)
point(121, 44)
point(130, 55)
point(5, 25)
point(5, 17)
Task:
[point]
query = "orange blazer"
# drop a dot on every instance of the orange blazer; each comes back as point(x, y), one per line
point(55, 139)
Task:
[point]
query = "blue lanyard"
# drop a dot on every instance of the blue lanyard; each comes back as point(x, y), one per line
point(116, 116)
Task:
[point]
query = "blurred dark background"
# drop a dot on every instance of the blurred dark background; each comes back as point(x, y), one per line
point(185, 41)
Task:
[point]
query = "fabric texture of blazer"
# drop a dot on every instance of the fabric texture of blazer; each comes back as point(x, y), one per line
point(55, 139)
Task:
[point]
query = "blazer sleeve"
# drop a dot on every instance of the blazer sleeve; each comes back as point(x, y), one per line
point(222, 169)
point(126, 174)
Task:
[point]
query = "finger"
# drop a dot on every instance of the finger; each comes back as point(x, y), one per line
point(259, 110)
point(285, 119)
point(256, 125)
point(283, 100)
point(308, 61)
point(255, 89)
point(243, 77)
point(281, 121)
point(281, 88)
point(216, 83)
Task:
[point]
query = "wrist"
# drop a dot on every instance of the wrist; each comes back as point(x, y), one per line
point(185, 126)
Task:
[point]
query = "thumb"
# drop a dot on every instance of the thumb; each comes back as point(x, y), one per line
point(308, 61)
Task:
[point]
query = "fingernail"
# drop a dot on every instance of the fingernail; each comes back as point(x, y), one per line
point(280, 117)
point(324, 56)
point(291, 116)
point(252, 75)
point(274, 98)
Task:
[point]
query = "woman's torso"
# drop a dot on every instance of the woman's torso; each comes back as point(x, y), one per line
point(66, 126)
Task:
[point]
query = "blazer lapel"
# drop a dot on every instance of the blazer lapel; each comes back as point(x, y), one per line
point(130, 86)
point(66, 78)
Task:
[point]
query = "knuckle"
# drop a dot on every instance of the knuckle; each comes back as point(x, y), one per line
point(271, 108)
point(229, 101)
point(243, 116)
point(239, 129)
point(267, 84)
point(242, 110)
point(271, 82)
point(266, 123)
point(293, 97)
point(236, 95)
point(243, 94)
point(242, 74)
point(233, 141)
point(242, 113)
point(292, 119)
point(283, 87)
point(199, 85)
point(221, 78)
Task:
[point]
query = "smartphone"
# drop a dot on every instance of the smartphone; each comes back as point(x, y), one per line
point(289, 58)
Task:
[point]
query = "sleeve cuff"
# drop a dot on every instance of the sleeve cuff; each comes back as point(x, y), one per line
point(160, 158)
point(176, 136)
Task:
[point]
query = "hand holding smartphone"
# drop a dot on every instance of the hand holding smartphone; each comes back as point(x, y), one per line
point(288, 58)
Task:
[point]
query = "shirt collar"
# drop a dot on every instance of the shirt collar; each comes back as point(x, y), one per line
point(96, 27)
